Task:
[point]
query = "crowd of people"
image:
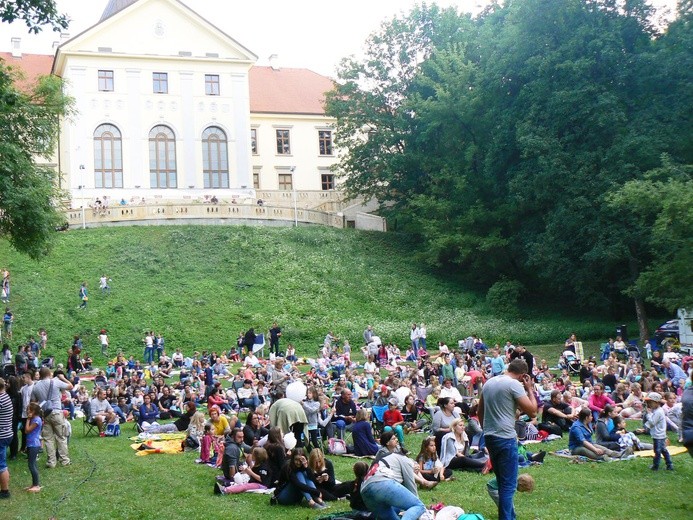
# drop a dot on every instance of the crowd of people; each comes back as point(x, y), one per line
point(269, 423)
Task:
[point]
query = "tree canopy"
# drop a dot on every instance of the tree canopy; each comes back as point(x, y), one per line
point(501, 139)
point(29, 125)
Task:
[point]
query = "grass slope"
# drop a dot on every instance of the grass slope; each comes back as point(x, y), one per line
point(199, 286)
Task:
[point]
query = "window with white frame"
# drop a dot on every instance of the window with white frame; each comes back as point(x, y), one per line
point(283, 141)
point(108, 157)
point(162, 158)
point(105, 81)
point(215, 164)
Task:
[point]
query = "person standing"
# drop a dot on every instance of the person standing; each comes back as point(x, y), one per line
point(687, 416)
point(275, 333)
point(103, 284)
point(103, 338)
point(83, 296)
point(7, 321)
point(49, 389)
point(414, 337)
point(6, 410)
point(500, 397)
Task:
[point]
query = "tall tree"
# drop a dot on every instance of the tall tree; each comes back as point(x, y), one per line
point(29, 125)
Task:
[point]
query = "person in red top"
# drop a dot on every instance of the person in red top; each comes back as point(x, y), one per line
point(393, 420)
point(476, 381)
point(598, 400)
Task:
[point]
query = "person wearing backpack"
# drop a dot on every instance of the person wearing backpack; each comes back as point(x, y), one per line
point(390, 486)
point(47, 393)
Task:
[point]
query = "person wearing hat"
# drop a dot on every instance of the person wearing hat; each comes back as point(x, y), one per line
point(394, 420)
point(657, 424)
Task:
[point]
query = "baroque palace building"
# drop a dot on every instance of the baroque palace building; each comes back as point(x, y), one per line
point(169, 107)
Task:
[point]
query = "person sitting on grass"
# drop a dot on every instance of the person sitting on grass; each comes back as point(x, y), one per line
point(430, 466)
point(454, 448)
point(295, 484)
point(580, 439)
point(149, 413)
point(258, 475)
point(322, 474)
point(181, 424)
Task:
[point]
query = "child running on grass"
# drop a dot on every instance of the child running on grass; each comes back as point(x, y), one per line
point(34, 426)
point(657, 424)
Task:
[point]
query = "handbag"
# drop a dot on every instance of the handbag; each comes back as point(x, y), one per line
point(47, 406)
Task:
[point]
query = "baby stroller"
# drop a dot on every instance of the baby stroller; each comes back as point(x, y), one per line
point(570, 362)
point(634, 352)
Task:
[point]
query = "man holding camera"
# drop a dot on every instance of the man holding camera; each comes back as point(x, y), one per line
point(47, 393)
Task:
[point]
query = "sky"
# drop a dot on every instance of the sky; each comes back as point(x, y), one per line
point(314, 34)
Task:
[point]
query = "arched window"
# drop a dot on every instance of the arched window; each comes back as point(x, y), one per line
point(162, 158)
point(108, 157)
point(215, 164)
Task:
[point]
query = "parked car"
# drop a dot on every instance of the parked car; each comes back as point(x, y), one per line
point(666, 331)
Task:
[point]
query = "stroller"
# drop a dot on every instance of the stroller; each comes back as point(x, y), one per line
point(570, 362)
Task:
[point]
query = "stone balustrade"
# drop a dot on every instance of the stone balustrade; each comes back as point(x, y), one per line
point(182, 213)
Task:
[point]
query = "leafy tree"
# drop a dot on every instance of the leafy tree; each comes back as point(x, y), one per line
point(35, 13)
point(502, 143)
point(662, 204)
point(29, 122)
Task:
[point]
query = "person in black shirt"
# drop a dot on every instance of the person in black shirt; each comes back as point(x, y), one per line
point(558, 417)
point(275, 333)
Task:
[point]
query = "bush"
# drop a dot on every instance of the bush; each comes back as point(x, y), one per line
point(504, 296)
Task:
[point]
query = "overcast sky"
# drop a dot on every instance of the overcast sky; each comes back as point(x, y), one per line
point(314, 34)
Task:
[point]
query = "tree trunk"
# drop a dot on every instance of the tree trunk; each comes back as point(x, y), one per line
point(640, 313)
point(641, 316)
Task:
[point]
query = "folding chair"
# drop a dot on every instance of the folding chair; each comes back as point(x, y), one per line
point(88, 426)
point(377, 422)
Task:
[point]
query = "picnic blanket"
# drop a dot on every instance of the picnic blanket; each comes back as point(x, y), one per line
point(673, 450)
point(144, 436)
point(151, 447)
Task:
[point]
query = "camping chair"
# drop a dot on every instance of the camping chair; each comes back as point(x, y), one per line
point(259, 345)
point(377, 421)
point(87, 425)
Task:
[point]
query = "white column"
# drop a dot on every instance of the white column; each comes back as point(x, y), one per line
point(241, 129)
point(186, 149)
point(80, 143)
point(135, 141)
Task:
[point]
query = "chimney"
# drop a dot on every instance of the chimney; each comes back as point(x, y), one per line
point(274, 61)
point(16, 47)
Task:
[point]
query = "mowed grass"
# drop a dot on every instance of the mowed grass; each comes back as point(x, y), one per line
point(107, 480)
point(200, 286)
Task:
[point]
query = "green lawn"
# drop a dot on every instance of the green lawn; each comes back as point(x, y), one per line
point(200, 286)
point(106, 480)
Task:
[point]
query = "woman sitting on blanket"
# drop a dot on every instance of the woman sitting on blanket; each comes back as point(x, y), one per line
point(257, 473)
point(454, 448)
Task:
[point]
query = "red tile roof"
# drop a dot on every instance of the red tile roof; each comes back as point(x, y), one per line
point(288, 91)
point(278, 91)
point(33, 66)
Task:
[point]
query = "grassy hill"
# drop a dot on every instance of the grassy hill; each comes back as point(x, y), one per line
point(199, 286)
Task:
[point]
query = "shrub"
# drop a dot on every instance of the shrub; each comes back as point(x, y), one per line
point(504, 296)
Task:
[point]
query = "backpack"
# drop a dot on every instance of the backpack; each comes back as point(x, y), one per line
point(113, 430)
point(337, 446)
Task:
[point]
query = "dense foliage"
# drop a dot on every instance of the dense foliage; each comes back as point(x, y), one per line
point(29, 123)
point(500, 140)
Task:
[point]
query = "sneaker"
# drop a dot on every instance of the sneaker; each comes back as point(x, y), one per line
point(670, 468)
point(316, 505)
point(50, 466)
point(273, 500)
point(5, 494)
point(218, 489)
point(654, 468)
point(539, 457)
